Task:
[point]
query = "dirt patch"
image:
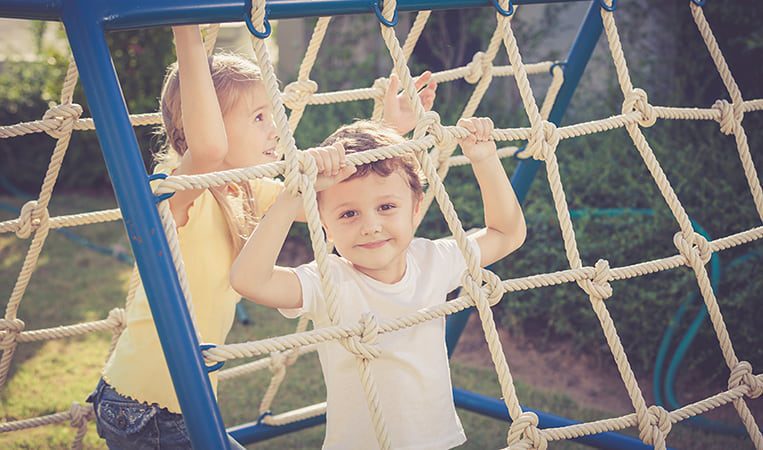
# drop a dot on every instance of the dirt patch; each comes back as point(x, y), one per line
point(558, 368)
point(591, 381)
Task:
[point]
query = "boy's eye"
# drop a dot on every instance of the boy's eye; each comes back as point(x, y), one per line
point(259, 118)
point(387, 207)
point(348, 214)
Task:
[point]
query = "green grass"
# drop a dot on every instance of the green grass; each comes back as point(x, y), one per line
point(74, 285)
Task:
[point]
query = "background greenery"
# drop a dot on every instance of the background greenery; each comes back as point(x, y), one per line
point(601, 171)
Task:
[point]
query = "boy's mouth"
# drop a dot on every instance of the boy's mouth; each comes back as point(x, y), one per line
point(374, 244)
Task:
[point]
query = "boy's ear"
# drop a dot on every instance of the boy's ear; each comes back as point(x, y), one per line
point(329, 237)
point(417, 210)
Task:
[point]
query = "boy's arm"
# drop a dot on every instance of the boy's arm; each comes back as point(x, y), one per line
point(505, 229)
point(203, 124)
point(254, 273)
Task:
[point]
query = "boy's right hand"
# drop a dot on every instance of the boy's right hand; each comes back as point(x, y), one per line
point(332, 165)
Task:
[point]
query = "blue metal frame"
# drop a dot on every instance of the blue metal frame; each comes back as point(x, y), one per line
point(124, 14)
point(86, 22)
point(470, 401)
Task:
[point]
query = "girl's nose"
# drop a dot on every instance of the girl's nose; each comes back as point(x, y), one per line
point(272, 132)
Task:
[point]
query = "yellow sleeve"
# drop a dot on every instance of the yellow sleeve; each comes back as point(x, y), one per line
point(265, 192)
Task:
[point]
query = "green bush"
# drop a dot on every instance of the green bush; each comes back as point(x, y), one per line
point(140, 58)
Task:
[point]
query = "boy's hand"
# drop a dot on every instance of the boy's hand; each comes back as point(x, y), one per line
point(398, 111)
point(331, 164)
point(479, 145)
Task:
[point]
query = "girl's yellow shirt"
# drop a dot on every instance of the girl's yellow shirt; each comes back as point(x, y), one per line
point(137, 368)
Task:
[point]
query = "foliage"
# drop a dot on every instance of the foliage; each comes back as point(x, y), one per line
point(140, 58)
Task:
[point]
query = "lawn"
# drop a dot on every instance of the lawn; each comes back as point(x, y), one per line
point(74, 285)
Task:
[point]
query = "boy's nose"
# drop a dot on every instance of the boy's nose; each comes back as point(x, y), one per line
point(370, 228)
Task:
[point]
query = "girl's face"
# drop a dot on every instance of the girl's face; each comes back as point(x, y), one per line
point(371, 220)
point(250, 130)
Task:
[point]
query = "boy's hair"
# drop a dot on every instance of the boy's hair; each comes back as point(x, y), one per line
point(233, 77)
point(366, 135)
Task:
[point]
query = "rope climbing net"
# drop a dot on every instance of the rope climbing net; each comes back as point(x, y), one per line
point(433, 144)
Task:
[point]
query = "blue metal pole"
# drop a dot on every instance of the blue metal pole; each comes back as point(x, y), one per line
point(577, 58)
point(144, 228)
point(250, 433)
point(487, 406)
point(496, 409)
point(124, 14)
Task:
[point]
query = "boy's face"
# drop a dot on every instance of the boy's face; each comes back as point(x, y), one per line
point(371, 220)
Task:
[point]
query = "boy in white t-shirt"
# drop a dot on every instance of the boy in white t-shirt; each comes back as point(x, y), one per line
point(370, 213)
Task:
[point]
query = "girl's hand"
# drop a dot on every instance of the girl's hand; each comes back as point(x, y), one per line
point(479, 145)
point(331, 164)
point(398, 111)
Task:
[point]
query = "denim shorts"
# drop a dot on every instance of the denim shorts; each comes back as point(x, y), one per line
point(125, 423)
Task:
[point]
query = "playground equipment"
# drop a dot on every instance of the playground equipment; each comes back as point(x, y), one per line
point(161, 268)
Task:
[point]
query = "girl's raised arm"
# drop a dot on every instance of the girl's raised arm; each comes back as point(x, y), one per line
point(203, 126)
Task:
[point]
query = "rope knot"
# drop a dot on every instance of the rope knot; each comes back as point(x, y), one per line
point(543, 140)
point(430, 123)
point(524, 430)
point(489, 286)
point(479, 66)
point(365, 346)
point(696, 249)
point(741, 375)
point(659, 425)
point(277, 361)
point(66, 114)
point(380, 85)
point(598, 286)
point(300, 174)
point(729, 117)
point(297, 93)
point(472, 287)
point(493, 287)
point(117, 315)
point(9, 331)
point(79, 415)
point(31, 219)
point(638, 101)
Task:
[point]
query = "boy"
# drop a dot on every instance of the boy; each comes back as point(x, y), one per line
point(370, 213)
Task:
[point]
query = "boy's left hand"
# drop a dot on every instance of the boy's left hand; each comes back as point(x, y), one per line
point(398, 111)
point(479, 145)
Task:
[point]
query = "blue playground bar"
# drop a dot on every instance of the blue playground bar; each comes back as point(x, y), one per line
point(86, 22)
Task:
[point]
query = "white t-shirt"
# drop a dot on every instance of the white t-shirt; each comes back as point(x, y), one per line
point(412, 374)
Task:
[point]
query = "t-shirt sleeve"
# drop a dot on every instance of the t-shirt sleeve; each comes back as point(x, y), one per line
point(265, 192)
point(450, 262)
point(310, 281)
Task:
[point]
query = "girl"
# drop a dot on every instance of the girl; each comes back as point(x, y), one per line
point(216, 116)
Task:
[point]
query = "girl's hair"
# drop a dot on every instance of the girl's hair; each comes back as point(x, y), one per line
point(366, 135)
point(233, 77)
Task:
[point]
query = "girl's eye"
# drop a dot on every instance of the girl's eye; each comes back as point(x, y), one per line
point(259, 118)
point(348, 215)
point(387, 207)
